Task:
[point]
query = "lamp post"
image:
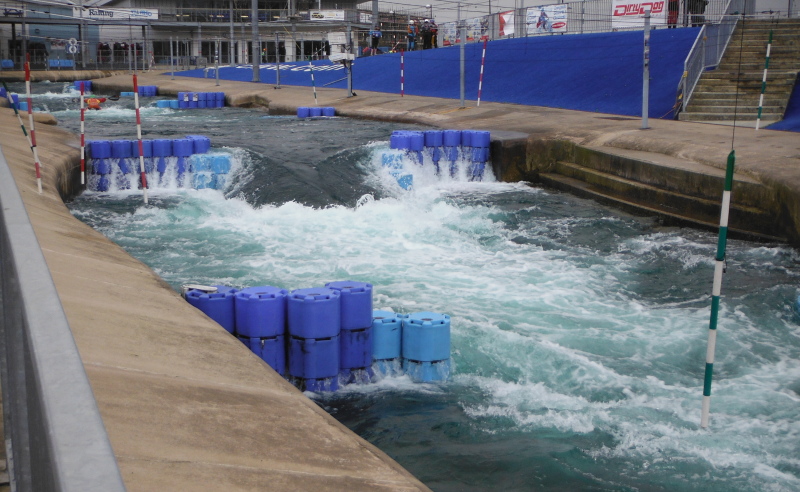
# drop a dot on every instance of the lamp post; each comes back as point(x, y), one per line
point(430, 11)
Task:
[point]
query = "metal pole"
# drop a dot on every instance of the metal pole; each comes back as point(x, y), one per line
point(256, 49)
point(719, 269)
point(139, 137)
point(277, 62)
point(36, 162)
point(348, 64)
point(83, 136)
point(764, 82)
point(313, 84)
point(230, 43)
point(171, 59)
point(216, 61)
point(461, 36)
point(646, 71)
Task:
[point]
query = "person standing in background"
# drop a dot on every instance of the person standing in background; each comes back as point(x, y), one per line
point(434, 34)
point(412, 36)
point(427, 36)
point(375, 34)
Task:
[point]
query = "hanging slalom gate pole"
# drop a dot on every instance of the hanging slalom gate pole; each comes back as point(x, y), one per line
point(19, 118)
point(402, 72)
point(480, 79)
point(83, 138)
point(36, 162)
point(764, 82)
point(139, 137)
point(719, 269)
point(313, 84)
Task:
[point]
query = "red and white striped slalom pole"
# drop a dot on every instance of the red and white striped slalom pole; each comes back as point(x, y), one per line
point(83, 137)
point(402, 72)
point(36, 162)
point(480, 79)
point(139, 137)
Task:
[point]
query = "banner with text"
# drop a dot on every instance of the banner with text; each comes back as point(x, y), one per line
point(546, 18)
point(627, 14)
point(93, 13)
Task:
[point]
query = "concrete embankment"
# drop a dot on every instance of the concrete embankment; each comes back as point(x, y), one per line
point(679, 165)
point(186, 405)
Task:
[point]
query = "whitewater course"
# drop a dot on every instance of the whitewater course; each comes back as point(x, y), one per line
point(578, 331)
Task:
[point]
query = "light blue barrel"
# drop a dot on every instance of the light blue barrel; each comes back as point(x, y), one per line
point(200, 143)
point(271, 350)
point(199, 163)
point(356, 303)
point(328, 111)
point(220, 164)
point(316, 111)
point(202, 180)
point(162, 103)
point(182, 147)
point(392, 161)
point(219, 181)
point(174, 104)
point(426, 337)
point(22, 106)
point(303, 112)
point(100, 149)
point(387, 332)
point(261, 311)
point(218, 305)
point(314, 313)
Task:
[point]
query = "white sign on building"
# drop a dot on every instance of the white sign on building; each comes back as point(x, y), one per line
point(326, 15)
point(95, 13)
point(627, 14)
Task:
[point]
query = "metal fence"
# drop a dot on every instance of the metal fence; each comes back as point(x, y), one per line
point(57, 439)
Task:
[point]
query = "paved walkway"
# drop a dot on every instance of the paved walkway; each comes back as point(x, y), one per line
point(187, 406)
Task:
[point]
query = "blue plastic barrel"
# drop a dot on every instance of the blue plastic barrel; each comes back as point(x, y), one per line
point(392, 161)
point(481, 139)
point(102, 184)
point(147, 148)
point(121, 149)
point(22, 106)
point(434, 138)
point(311, 358)
point(417, 141)
point(183, 100)
point(400, 139)
point(200, 143)
point(451, 138)
point(314, 313)
point(202, 100)
point(174, 104)
point(261, 311)
point(221, 164)
point(466, 138)
point(328, 111)
point(194, 97)
point(100, 166)
point(182, 147)
point(218, 305)
point(387, 332)
point(162, 147)
point(199, 162)
point(219, 99)
point(315, 111)
point(201, 181)
point(100, 149)
point(426, 337)
point(15, 100)
point(162, 103)
point(356, 303)
point(219, 181)
point(427, 371)
point(355, 348)
point(480, 154)
point(270, 350)
point(303, 112)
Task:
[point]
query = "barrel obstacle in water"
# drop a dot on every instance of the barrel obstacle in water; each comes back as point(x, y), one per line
point(261, 323)
point(195, 100)
point(117, 162)
point(315, 112)
point(324, 337)
point(87, 86)
point(435, 146)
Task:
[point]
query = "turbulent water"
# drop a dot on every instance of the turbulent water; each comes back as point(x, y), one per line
point(578, 333)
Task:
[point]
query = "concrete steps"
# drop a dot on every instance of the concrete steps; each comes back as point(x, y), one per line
point(735, 86)
point(626, 180)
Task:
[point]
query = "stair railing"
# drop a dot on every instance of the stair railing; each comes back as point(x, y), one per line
point(707, 50)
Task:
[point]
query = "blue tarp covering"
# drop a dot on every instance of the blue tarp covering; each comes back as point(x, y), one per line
point(791, 119)
point(589, 72)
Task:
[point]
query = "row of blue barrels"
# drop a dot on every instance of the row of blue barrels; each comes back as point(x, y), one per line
point(87, 85)
point(15, 102)
point(471, 145)
point(200, 100)
point(330, 333)
point(315, 111)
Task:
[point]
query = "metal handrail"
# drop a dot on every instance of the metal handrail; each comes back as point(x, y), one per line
point(57, 438)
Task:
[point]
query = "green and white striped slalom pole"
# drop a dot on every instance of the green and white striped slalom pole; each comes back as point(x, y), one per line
point(719, 269)
point(313, 84)
point(764, 82)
